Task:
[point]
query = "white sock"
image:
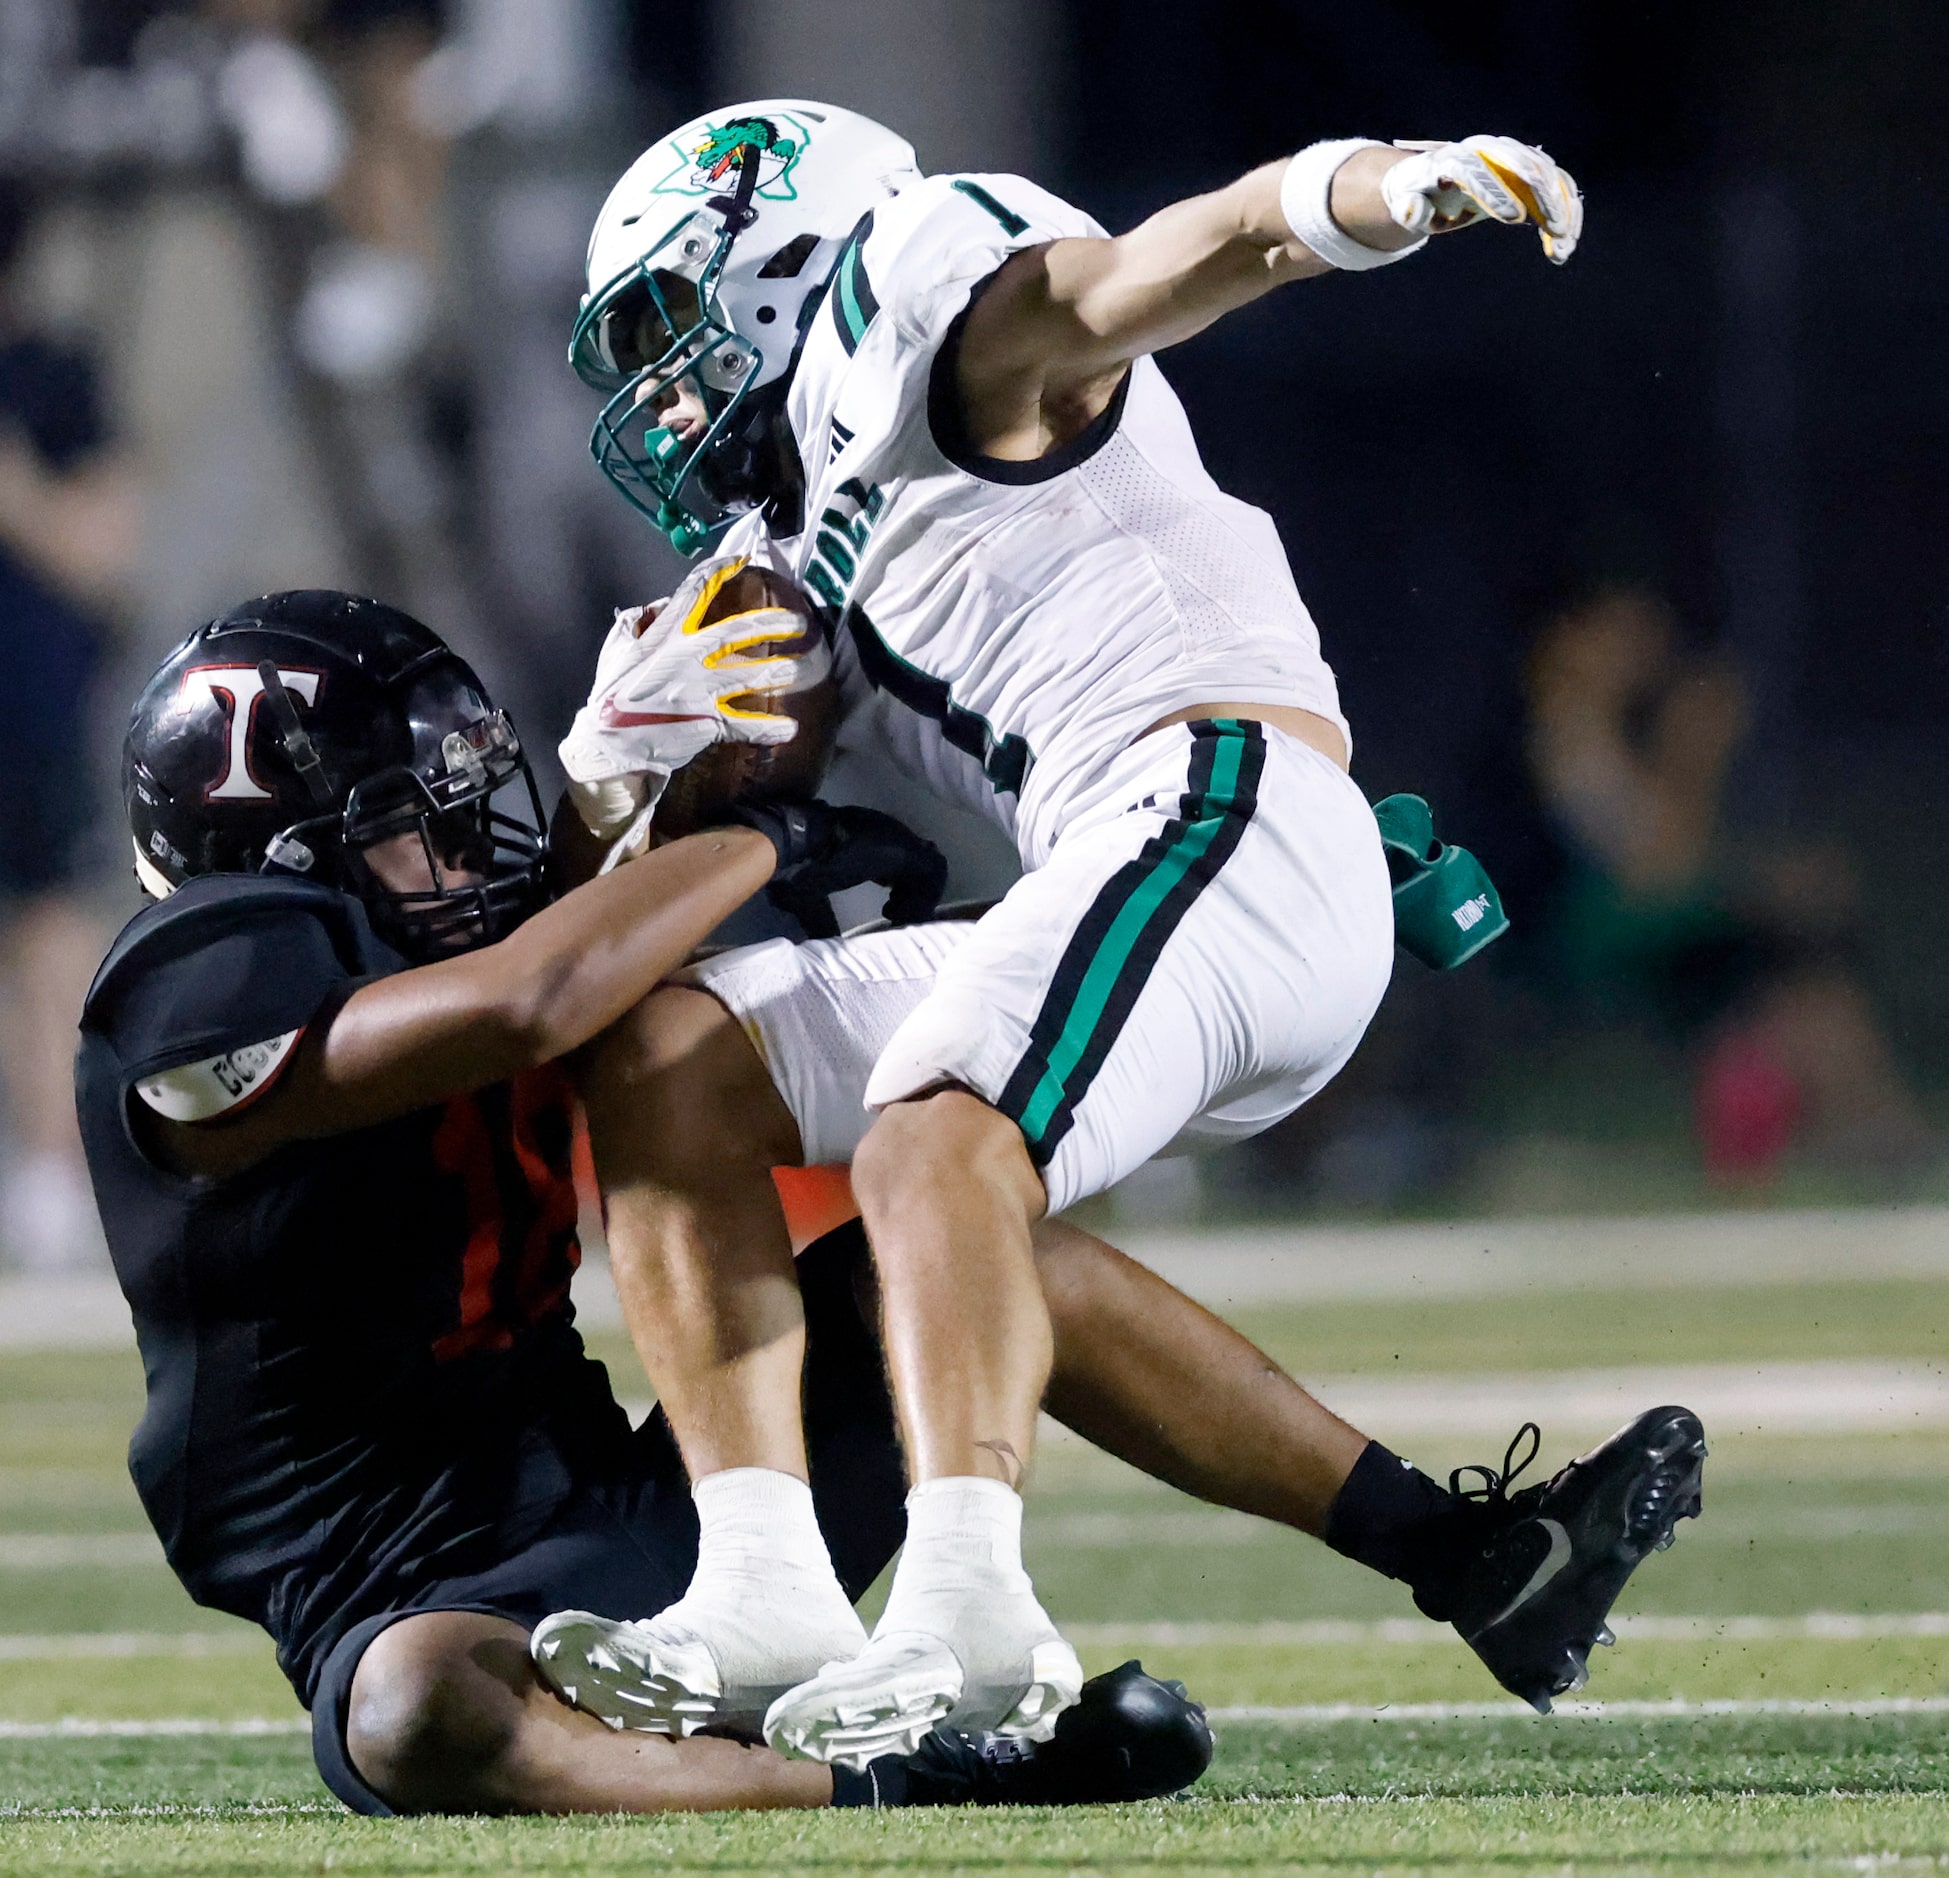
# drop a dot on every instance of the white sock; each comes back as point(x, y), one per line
point(763, 1561)
point(962, 1635)
point(964, 1545)
point(751, 1514)
point(759, 1540)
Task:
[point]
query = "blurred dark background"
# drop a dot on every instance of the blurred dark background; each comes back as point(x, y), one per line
point(1632, 568)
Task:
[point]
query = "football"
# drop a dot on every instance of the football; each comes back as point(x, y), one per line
point(733, 772)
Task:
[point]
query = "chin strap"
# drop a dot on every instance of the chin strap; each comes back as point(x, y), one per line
point(286, 853)
point(736, 207)
point(297, 742)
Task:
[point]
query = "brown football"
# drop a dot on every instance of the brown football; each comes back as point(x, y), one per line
point(732, 772)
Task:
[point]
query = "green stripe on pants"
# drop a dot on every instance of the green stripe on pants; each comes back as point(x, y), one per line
point(1113, 955)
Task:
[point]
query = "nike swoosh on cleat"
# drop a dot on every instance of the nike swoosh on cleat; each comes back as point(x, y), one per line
point(1554, 1561)
point(614, 719)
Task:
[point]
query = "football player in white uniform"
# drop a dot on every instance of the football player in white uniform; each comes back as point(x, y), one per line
point(932, 401)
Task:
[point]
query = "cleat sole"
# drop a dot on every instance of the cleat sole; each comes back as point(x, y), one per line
point(1682, 1497)
point(594, 1665)
point(852, 1713)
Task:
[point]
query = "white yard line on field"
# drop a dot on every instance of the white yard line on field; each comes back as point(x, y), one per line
point(1583, 1711)
point(1213, 1528)
point(1285, 1264)
point(62, 1551)
point(1229, 1267)
point(64, 1314)
point(1813, 1626)
point(1502, 1257)
point(1822, 1396)
point(228, 1809)
point(71, 1728)
point(1496, 1401)
point(94, 1645)
point(1810, 1626)
point(1218, 1529)
point(1829, 1396)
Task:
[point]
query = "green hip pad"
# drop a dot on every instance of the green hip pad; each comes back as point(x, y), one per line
point(1446, 908)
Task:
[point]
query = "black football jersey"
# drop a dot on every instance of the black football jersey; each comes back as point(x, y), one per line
point(361, 1365)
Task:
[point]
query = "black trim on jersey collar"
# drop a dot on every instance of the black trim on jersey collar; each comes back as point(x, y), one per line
point(949, 424)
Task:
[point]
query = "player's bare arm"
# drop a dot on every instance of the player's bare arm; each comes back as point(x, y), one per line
point(457, 1025)
point(1050, 338)
point(569, 972)
point(459, 1021)
point(1047, 342)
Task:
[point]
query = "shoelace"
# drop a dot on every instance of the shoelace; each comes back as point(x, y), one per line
point(1492, 1488)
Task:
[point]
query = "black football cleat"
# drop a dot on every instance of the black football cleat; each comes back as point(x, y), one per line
point(1546, 1563)
point(1128, 1737)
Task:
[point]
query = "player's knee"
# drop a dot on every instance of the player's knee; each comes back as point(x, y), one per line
point(431, 1727)
point(917, 1152)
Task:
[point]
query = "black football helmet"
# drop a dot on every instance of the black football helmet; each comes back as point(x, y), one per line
point(299, 730)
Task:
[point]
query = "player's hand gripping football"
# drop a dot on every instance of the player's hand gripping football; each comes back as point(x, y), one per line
point(1444, 186)
point(667, 688)
point(823, 850)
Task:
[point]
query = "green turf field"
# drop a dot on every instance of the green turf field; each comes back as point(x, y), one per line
point(1777, 1700)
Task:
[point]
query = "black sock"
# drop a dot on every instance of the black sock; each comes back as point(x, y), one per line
point(883, 1783)
point(1391, 1517)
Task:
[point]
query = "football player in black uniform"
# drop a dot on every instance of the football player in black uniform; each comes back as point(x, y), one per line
point(322, 1093)
point(321, 1088)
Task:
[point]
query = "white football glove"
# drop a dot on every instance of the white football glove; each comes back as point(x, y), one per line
point(1448, 185)
point(666, 690)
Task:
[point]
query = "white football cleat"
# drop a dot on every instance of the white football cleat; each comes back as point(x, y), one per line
point(664, 1675)
point(627, 1675)
point(905, 1682)
point(883, 1702)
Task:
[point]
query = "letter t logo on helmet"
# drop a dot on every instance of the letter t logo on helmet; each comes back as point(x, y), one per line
point(237, 690)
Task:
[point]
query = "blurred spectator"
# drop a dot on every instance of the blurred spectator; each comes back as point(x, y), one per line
point(346, 178)
point(69, 528)
point(1742, 952)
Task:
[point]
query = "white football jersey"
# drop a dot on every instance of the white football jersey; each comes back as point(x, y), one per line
point(1006, 628)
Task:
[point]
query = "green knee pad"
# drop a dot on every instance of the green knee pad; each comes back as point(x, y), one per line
point(1446, 908)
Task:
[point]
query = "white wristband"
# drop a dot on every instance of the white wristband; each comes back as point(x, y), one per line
point(1305, 197)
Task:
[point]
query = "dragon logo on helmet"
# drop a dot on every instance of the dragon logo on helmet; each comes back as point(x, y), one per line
point(710, 166)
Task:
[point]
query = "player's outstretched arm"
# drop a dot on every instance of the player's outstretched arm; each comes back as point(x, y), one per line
point(1048, 340)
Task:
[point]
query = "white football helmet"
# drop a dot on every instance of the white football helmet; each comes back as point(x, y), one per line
point(707, 262)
